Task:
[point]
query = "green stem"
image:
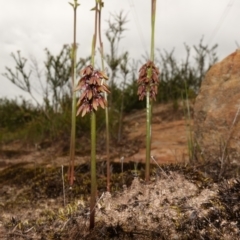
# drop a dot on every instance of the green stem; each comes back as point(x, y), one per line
point(105, 96)
point(121, 110)
point(107, 146)
point(93, 137)
point(93, 170)
point(73, 127)
point(148, 100)
point(94, 40)
point(148, 135)
point(153, 29)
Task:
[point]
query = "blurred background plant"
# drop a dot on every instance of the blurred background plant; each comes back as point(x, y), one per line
point(71, 177)
point(148, 82)
point(48, 115)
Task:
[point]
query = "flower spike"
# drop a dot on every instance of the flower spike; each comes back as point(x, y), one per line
point(148, 79)
point(92, 90)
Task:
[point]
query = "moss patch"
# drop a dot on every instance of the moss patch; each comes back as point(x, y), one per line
point(179, 203)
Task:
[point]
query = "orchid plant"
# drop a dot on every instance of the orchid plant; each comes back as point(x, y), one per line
point(73, 72)
point(93, 90)
point(148, 87)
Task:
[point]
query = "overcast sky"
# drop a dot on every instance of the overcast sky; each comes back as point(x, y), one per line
point(33, 25)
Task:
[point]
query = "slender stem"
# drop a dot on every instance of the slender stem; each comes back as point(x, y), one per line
point(107, 146)
point(153, 28)
point(148, 100)
point(73, 127)
point(148, 135)
point(94, 40)
point(121, 109)
point(93, 137)
point(63, 186)
point(93, 170)
point(106, 109)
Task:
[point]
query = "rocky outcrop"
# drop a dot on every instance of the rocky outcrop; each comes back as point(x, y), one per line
point(216, 113)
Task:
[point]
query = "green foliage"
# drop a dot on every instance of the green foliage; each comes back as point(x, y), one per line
point(49, 117)
point(23, 121)
point(184, 78)
point(58, 70)
point(114, 34)
point(14, 114)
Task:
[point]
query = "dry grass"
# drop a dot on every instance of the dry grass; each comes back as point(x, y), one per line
point(180, 203)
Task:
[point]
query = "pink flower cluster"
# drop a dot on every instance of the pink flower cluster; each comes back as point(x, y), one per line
point(148, 79)
point(92, 87)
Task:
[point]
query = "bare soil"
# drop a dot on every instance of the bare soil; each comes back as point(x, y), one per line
point(180, 202)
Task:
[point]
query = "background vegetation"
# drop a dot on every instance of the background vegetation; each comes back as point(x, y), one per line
point(49, 118)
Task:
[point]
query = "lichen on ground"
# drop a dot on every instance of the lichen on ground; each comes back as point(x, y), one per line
point(180, 202)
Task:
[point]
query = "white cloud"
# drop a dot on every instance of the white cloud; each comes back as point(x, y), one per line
point(31, 26)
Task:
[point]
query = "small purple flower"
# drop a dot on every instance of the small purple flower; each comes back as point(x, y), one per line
point(148, 79)
point(92, 87)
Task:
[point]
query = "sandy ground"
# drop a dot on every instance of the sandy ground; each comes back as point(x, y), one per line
point(180, 202)
point(169, 142)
